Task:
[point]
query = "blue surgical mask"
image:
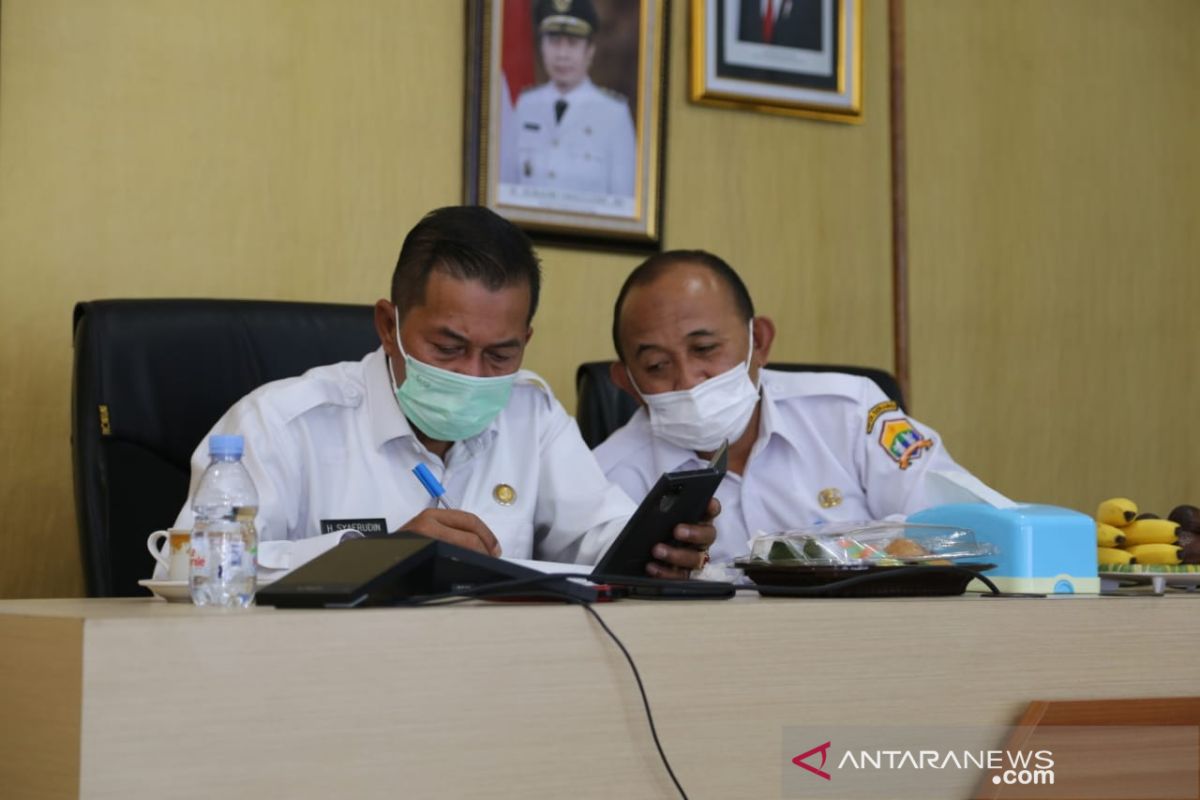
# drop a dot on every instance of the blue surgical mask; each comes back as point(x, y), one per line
point(448, 406)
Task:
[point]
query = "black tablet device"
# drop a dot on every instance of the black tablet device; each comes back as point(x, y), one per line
point(385, 570)
point(677, 497)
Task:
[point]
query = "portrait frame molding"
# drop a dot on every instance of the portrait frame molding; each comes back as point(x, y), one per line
point(841, 103)
point(637, 224)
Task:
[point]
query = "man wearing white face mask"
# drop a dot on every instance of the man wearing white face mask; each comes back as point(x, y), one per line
point(336, 446)
point(804, 447)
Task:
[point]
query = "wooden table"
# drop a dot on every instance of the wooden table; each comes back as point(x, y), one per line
point(137, 698)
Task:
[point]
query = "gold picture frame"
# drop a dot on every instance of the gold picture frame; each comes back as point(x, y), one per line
point(805, 61)
point(590, 173)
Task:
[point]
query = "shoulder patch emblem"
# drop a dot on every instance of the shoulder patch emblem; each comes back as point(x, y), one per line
point(878, 410)
point(902, 442)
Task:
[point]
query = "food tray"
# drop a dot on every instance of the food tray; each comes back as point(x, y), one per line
point(774, 580)
point(1186, 577)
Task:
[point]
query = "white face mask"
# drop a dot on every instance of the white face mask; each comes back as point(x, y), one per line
point(712, 412)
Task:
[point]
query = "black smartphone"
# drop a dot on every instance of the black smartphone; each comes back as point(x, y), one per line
point(677, 497)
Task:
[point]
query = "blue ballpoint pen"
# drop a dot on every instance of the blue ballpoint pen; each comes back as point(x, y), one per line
point(431, 484)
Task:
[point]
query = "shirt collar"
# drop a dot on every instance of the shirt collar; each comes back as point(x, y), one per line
point(770, 423)
point(388, 421)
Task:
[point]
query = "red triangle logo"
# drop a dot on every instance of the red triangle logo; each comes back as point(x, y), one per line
point(823, 749)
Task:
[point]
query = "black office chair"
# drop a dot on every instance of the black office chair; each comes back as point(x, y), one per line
point(602, 407)
point(150, 379)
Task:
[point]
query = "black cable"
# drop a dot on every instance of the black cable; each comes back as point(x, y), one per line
point(513, 587)
point(645, 701)
point(824, 589)
point(500, 589)
point(520, 586)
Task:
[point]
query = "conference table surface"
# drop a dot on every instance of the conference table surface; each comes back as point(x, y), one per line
point(119, 698)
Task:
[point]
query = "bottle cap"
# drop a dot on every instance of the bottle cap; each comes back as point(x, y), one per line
point(225, 445)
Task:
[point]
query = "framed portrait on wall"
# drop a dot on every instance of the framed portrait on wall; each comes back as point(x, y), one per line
point(564, 116)
point(798, 57)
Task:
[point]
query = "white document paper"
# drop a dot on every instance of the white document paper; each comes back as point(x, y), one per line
point(277, 558)
point(550, 567)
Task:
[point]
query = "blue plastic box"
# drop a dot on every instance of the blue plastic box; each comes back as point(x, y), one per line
point(1041, 549)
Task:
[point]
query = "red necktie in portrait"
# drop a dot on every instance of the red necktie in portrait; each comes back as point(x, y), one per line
point(769, 21)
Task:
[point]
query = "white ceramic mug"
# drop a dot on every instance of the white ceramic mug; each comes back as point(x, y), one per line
point(175, 554)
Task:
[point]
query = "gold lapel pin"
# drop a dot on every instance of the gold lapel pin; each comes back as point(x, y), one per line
point(829, 498)
point(504, 494)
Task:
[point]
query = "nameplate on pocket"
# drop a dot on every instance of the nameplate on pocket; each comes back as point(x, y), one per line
point(365, 525)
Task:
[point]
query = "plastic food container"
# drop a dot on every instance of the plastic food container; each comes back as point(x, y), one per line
point(879, 555)
point(875, 543)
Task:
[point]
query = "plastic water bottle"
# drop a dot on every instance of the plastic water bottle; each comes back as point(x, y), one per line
point(224, 541)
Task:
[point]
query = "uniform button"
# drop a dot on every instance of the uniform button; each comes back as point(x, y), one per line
point(554, 142)
point(550, 173)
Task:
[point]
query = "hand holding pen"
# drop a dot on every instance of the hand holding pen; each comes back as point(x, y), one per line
point(448, 524)
point(432, 485)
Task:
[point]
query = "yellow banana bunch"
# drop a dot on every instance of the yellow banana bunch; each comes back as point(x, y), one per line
point(1117, 511)
point(1151, 531)
point(1136, 542)
point(1108, 556)
point(1155, 553)
point(1108, 536)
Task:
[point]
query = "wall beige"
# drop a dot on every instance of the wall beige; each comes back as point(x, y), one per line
point(280, 149)
point(270, 149)
point(1055, 201)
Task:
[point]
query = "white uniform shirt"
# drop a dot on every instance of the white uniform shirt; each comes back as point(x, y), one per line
point(593, 148)
point(830, 448)
point(333, 444)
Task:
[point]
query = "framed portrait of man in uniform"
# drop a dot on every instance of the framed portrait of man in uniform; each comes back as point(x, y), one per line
point(564, 115)
point(797, 57)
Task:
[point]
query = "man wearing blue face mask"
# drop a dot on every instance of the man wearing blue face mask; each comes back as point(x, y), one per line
point(446, 389)
point(804, 447)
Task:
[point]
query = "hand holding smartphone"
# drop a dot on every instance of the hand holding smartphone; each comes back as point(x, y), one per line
point(677, 497)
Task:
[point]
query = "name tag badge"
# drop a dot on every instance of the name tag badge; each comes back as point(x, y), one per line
point(367, 526)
